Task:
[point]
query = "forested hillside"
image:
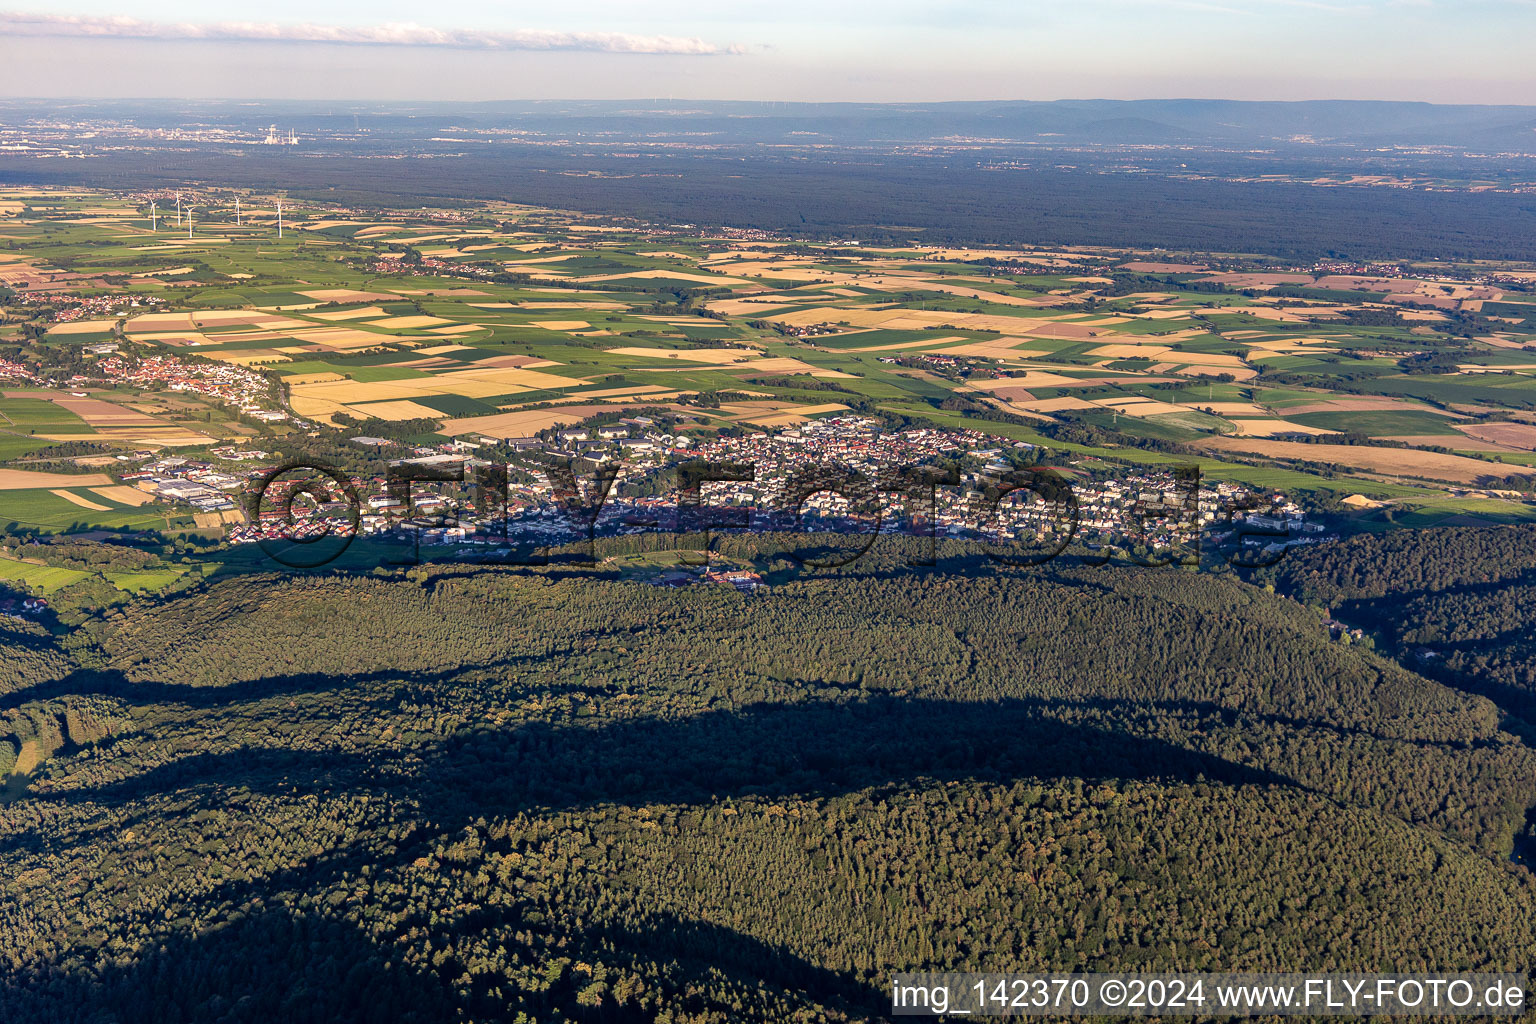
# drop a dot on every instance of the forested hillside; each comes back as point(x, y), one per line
point(1461, 602)
point(456, 794)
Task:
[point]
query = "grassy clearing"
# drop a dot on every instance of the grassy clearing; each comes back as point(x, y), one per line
point(46, 578)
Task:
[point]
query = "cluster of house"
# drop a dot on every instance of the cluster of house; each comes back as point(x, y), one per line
point(810, 330)
point(15, 605)
point(1155, 508)
point(1342, 631)
point(1353, 269)
point(235, 386)
point(69, 307)
point(427, 266)
point(245, 390)
point(739, 234)
point(12, 370)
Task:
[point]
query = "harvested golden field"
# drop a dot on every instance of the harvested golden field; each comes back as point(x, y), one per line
point(562, 325)
point(523, 423)
point(208, 318)
point(76, 499)
point(213, 520)
point(1268, 426)
point(227, 317)
point(249, 356)
point(1014, 395)
point(749, 307)
point(1363, 405)
point(1066, 331)
point(27, 479)
point(1018, 408)
point(399, 410)
point(1138, 407)
point(1513, 435)
point(1397, 462)
point(98, 413)
point(792, 417)
point(321, 225)
point(317, 408)
point(342, 338)
point(82, 327)
point(148, 436)
point(483, 382)
point(1241, 281)
point(407, 323)
point(361, 313)
point(1130, 351)
point(124, 495)
point(346, 391)
point(1059, 404)
point(1029, 379)
point(1458, 442)
point(520, 362)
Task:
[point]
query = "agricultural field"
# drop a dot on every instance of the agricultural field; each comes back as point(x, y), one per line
point(492, 323)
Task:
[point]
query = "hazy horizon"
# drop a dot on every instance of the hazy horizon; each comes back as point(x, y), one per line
point(1269, 50)
point(674, 100)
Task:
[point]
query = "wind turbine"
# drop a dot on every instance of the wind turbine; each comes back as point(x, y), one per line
point(178, 209)
point(279, 219)
point(152, 226)
point(237, 211)
point(189, 222)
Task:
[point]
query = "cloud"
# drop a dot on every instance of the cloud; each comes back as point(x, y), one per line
point(389, 34)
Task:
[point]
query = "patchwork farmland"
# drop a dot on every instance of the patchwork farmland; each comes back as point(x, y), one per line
point(493, 324)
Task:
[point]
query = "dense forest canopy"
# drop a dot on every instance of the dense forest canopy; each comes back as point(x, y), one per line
point(882, 199)
point(1458, 601)
point(454, 793)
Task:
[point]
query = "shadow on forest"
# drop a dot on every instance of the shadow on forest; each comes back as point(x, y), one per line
point(256, 965)
point(811, 748)
point(277, 964)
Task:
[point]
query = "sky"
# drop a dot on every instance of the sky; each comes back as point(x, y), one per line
point(1454, 51)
